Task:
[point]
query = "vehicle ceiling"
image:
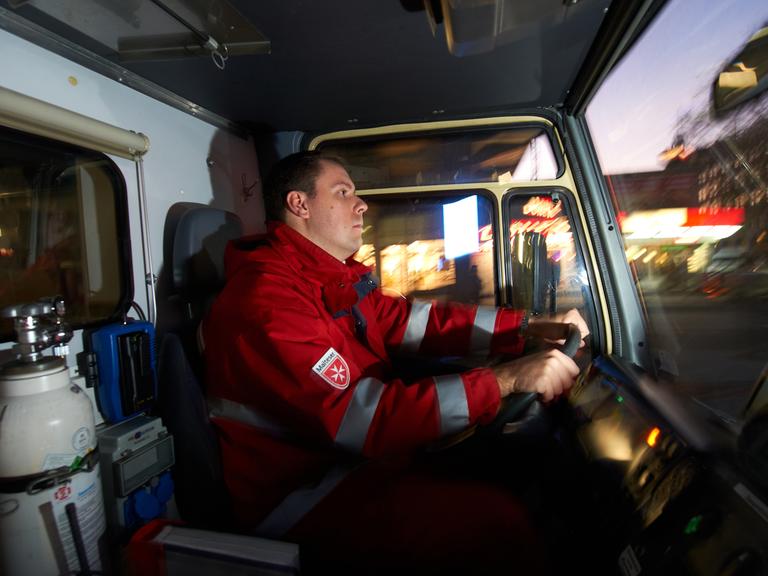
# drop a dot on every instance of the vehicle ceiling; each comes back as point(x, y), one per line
point(337, 64)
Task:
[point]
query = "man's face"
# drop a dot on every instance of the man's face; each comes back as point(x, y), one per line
point(335, 220)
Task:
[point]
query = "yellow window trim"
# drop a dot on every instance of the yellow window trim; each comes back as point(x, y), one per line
point(497, 189)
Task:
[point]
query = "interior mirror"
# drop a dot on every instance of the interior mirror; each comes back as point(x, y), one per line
point(533, 286)
point(746, 76)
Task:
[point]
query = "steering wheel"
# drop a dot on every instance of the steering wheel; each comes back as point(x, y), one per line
point(513, 407)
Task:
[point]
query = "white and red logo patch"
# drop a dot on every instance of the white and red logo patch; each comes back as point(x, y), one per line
point(333, 369)
point(62, 493)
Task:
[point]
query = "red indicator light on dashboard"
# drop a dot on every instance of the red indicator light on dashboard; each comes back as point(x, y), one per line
point(653, 436)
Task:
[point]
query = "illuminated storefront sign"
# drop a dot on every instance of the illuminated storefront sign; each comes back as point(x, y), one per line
point(555, 230)
point(542, 207)
point(681, 225)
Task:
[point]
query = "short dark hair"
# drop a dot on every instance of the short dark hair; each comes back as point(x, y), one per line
point(298, 171)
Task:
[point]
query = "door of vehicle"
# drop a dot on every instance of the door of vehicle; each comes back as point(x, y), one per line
point(672, 415)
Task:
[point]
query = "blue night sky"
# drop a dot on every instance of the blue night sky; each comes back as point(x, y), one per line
point(669, 72)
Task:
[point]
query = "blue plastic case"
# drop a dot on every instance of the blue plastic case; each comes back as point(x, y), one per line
point(126, 383)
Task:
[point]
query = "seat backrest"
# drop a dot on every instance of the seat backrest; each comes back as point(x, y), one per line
point(198, 242)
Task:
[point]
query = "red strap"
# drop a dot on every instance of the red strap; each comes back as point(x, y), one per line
point(143, 556)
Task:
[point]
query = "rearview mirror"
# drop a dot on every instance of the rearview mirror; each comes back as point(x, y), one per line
point(532, 274)
point(745, 77)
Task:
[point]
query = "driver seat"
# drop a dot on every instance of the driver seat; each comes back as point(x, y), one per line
point(196, 236)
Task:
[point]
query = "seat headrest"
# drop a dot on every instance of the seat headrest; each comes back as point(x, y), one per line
point(201, 236)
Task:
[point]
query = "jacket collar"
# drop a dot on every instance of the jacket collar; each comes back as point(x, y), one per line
point(310, 260)
point(342, 284)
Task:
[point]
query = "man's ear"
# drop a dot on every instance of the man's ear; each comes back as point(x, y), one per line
point(296, 204)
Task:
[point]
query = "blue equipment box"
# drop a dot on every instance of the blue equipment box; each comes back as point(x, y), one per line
point(125, 367)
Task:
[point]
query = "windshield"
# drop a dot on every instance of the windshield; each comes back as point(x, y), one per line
point(690, 189)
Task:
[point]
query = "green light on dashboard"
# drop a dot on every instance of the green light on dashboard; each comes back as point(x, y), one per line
point(619, 399)
point(693, 525)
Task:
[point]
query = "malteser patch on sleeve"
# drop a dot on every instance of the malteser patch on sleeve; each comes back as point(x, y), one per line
point(333, 369)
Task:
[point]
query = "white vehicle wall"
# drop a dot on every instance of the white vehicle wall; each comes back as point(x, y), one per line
point(189, 160)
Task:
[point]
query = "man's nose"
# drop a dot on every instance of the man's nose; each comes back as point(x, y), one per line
point(360, 206)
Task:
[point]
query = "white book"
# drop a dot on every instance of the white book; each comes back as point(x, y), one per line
point(189, 551)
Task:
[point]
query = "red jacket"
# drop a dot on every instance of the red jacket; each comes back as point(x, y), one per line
point(295, 386)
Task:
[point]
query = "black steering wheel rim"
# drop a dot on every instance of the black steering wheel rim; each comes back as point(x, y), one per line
point(514, 406)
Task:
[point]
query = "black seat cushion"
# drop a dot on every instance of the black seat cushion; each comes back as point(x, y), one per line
point(201, 496)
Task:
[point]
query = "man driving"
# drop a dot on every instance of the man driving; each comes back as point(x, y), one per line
point(320, 438)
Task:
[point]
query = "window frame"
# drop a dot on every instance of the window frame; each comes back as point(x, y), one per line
point(579, 242)
point(393, 133)
point(448, 193)
point(122, 221)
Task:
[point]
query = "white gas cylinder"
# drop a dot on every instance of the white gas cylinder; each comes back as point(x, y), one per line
point(46, 435)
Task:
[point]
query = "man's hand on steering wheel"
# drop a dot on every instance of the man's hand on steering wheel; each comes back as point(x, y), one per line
point(549, 374)
point(550, 328)
point(542, 375)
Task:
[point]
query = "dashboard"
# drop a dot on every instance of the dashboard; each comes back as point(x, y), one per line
point(683, 507)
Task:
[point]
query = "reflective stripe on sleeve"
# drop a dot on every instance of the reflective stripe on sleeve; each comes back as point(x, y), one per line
point(482, 330)
point(223, 408)
point(299, 502)
point(454, 408)
point(357, 419)
point(416, 327)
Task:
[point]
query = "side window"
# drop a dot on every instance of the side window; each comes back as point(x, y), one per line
point(432, 246)
point(688, 176)
point(545, 218)
point(63, 229)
